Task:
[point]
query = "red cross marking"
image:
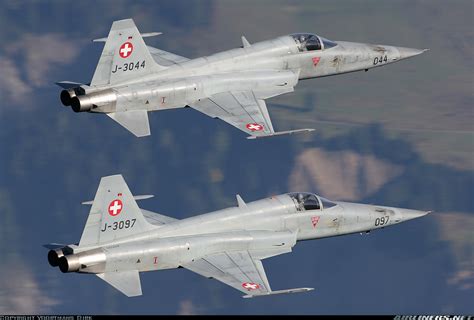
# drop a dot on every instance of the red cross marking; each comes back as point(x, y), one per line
point(115, 207)
point(250, 286)
point(126, 49)
point(254, 127)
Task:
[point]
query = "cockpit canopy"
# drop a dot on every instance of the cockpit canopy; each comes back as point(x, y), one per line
point(311, 42)
point(309, 201)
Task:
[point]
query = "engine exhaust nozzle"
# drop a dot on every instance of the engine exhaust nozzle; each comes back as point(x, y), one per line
point(67, 96)
point(54, 256)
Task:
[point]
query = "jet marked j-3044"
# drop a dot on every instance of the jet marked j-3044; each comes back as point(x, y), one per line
point(132, 78)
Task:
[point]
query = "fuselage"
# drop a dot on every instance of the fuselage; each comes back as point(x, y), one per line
point(275, 63)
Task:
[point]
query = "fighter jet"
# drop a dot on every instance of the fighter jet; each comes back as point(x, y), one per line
point(132, 78)
point(120, 240)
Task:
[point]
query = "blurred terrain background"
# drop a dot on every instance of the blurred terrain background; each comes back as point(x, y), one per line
point(402, 135)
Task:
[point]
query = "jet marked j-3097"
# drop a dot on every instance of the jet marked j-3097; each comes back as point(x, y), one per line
point(132, 78)
point(120, 240)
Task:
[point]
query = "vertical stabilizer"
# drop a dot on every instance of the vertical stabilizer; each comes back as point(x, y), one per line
point(125, 56)
point(114, 214)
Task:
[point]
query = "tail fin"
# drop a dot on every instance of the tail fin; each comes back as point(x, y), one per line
point(114, 214)
point(125, 56)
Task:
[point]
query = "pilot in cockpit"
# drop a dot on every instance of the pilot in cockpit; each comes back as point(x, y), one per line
point(311, 42)
point(300, 204)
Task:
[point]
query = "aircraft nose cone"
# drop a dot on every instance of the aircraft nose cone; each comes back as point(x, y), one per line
point(409, 52)
point(408, 214)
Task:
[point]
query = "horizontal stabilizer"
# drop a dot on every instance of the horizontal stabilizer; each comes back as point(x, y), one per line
point(141, 197)
point(296, 290)
point(127, 282)
point(135, 121)
point(53, 246)
point(68, 84)
point(280, 133)
point(144, 35)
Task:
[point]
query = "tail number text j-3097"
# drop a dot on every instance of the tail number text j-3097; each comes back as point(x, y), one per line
point(118, 225)
point(129, 66)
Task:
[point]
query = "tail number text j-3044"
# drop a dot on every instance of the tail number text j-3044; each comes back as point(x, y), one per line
point(380, 60)
point(381, 221)
point(129, 66)
point(118, 225)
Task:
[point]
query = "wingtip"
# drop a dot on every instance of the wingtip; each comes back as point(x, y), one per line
point(287, 291)
point(280, 133)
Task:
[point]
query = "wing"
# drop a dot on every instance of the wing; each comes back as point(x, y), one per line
point(242, 110)
point(236, 269)
point(239, 270)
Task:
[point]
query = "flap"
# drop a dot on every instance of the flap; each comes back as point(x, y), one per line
point(236, 269)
